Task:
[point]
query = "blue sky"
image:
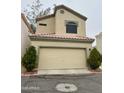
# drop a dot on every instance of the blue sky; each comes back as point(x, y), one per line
point(92, 9)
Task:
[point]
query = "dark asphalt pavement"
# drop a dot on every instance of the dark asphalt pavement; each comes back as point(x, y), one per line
point(47, 84)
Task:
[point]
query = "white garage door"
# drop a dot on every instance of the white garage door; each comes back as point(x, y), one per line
point(61, 58)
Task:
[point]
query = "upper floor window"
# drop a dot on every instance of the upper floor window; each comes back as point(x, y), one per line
point(71, 27)
point(41, 24)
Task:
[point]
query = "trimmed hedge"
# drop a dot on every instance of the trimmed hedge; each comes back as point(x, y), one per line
point(95, 59)
point(29, 59)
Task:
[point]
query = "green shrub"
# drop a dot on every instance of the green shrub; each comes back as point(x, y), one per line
point(29, 59)
point(95, 59)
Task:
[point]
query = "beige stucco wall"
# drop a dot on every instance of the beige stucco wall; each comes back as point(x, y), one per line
point(60, 19)
point(25, 41)
point(57, 24)
point(99, 42)
point(44, 43)
point(50, 28)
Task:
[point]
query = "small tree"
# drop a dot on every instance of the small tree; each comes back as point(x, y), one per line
point(95, 59)
point(29, 59)
point(34, 10)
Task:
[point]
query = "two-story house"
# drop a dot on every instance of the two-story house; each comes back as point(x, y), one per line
point(61, 41)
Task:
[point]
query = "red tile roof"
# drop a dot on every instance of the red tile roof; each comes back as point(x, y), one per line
point(52, 36)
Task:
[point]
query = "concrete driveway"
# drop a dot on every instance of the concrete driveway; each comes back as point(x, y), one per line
point(47, 84)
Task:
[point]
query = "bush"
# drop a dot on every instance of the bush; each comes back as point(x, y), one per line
point(95, 59)
point(29, 59)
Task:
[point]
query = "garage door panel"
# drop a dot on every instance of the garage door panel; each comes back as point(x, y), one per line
point(61, 58)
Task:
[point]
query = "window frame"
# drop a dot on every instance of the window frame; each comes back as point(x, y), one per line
point(71, 23)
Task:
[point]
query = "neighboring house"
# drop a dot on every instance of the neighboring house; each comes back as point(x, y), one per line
point(61, 41)
point(25, 40)
point(99, 42)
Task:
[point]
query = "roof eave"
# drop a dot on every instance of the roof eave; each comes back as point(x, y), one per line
point(70, 10)
point(37, 38)
point(26, 22)
point(59, 7)
point(44, 17)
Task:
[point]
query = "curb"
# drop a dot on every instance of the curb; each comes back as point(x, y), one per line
point(58, 75)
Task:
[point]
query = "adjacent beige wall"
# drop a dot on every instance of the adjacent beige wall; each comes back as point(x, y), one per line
point(25, 41)
point(50, 28)
point(99, 42)
point(67, 16)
